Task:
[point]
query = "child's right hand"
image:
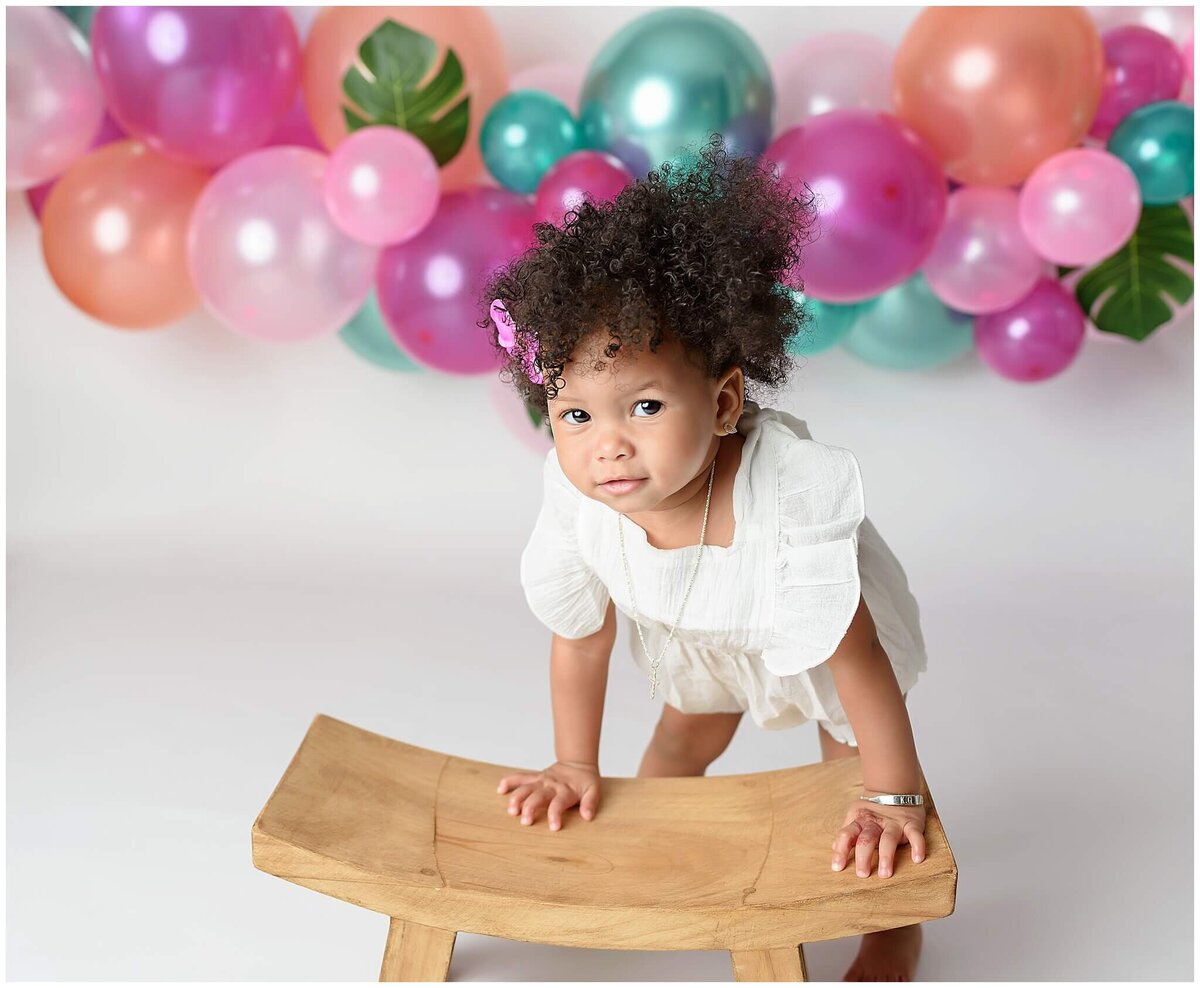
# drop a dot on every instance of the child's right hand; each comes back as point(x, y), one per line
point(562, 785)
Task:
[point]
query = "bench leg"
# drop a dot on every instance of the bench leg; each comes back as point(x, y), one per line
point(416, 953)
point(780, 964)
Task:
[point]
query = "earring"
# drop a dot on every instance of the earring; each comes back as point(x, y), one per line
point(730, 427)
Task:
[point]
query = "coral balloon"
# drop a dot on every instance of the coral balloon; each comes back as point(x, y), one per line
point(881, 198)
point(382, 186)
point(997, 90)
point(428, 288)
point(1143, 67)
point(838, 70)
point(981, 261)
point(54, 104)
point(562, 80)
point(1034, 339)
point(592, 175)
point(265, 255)
point(114, 235)
point(200, 84)
point(1079, 206)
point(332, 47)
point(109, 132)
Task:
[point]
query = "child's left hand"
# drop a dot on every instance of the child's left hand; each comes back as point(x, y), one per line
point(870, 825)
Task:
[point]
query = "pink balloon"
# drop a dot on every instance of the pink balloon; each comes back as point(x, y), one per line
point(881, 196)
point(200, 84)
point(1141, 66)
point(562, 80)
point(109, 132)
point(1079, 206)
point(981, 261)
point(1189, 56)
point(1175, 22)
point(296, 128)
point(382, 185)
point(594, 175)
point(836, 70)
point(264, 254)
point(428, 287)
point(1034, 339)
point(55, 106)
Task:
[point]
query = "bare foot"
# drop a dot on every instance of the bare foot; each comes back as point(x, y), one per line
point(889, 955)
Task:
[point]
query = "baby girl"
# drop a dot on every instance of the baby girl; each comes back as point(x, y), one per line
point(735, 544)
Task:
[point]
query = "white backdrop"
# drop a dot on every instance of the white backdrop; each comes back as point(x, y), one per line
point(212, 539)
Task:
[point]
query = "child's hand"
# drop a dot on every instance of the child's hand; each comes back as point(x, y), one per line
point(562, 785)
point(870, 825)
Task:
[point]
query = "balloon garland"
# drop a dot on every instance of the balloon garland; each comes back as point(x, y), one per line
point(1006, 180)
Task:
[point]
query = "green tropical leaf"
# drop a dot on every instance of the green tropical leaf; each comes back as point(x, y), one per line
point(397, 58)
point(1140, 276)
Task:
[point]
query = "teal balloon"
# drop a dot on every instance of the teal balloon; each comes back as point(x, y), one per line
point(670, 79)
point(909, 328)
point(81, 17)
point(524, 134)
point(367, 335)
point(1156, 141)
point(825, 325)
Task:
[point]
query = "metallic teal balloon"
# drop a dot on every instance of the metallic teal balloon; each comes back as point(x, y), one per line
point(668, 80)
point(908, 328)
point(524, 133)
point(1156, 141)
point(826, 324)
point(81, 17)
point(368, 336)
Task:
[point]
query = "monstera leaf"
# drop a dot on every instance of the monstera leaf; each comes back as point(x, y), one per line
point(1140, 276)
point(398, 58)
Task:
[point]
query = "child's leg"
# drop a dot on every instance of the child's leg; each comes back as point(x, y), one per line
point(686, 744)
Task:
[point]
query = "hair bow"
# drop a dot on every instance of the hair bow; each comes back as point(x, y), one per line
point(506, 334)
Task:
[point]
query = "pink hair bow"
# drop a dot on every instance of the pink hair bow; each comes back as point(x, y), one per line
point(506, 333)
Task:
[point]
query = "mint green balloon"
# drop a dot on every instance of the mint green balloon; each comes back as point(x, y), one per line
point(523, 135)
point(367, 335)
point(826, 324)
point(908, 328)
point(670, 79)
point(1156, 141)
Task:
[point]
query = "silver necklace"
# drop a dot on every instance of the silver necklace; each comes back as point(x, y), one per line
point(654, 663)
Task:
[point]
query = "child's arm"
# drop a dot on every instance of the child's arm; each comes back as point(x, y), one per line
point(578, 681)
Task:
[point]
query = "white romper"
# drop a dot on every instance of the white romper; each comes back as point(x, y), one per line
point(765, 612)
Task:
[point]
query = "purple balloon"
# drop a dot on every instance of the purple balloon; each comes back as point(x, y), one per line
point(881, 196)
point(1141, 66)
point(594, 175)
point(428, 287)
point(202, 85)
point(1034, 339)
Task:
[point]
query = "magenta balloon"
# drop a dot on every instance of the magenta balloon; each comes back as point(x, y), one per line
point(109, 131)
point(200, 84)
point(428, 287)
point(1034, 339)
point(595, 175)
point(296, 128)
point(881, 196)
point(981, 261)
point(1141, 66)
point(1079, 206)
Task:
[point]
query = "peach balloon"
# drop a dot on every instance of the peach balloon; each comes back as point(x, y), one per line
point(114, 235)
point(332, 47)
point(998, 90)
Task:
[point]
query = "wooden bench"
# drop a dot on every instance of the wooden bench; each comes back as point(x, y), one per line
point(733, 862)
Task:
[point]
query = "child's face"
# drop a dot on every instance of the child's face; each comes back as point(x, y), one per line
point(608, 424)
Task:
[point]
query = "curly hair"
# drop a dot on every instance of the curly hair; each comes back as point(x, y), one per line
point(699, 250)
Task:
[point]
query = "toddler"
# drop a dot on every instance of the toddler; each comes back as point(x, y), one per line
point(735, 544)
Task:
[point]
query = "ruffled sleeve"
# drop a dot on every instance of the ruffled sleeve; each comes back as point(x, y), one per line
point(562, 590)
point(817, 584)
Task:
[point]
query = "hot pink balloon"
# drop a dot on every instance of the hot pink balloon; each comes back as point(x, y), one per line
point(562, 80)
point(981, 261)
point(54, 103)
point(881, 196)
point(836, 70)
point(594, 175)
point(1034, 339)
point(264, 254)
point(382, 185)
point(1141, 66)
point(428, 287)
point(109, 132)
point(296, 128)
point(1174, 22)
point(1079, 206)
point(200, 84)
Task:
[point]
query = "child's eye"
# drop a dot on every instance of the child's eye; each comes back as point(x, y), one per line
point(649, 401)
point(572, 411)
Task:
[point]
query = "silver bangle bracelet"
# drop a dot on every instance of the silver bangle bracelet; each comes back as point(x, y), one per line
point(904, 799)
